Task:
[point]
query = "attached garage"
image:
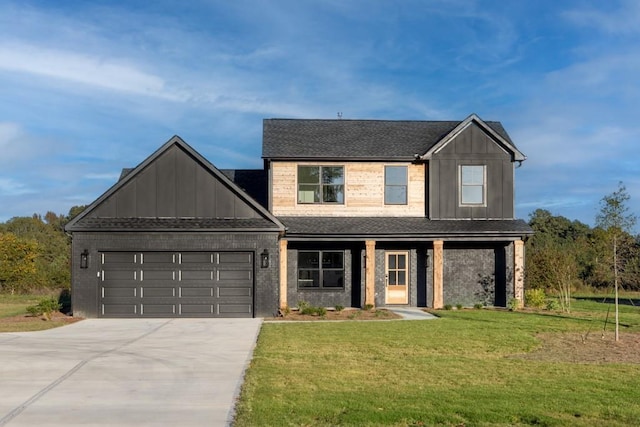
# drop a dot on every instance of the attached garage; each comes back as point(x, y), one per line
point(176, 284)
point(175, 238)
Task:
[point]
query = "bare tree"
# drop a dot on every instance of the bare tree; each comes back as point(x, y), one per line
point(616, 220)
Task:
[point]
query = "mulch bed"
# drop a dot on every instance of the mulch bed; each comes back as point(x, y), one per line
point(346, 314)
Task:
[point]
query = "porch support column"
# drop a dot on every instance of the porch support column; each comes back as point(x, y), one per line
point(283, 273)
point(370, 273)
point(438, 274)
point(518, 271)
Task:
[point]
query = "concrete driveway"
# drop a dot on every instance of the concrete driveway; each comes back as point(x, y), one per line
point(125, 372)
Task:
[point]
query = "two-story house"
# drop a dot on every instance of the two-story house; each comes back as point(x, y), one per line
point(345, 212)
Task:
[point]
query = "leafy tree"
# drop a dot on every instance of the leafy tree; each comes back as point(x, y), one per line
point(17, 263)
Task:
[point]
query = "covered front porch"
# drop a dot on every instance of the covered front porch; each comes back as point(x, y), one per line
point(408, 267)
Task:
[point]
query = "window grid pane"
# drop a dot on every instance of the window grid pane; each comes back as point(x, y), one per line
point(320, 269)
point(321, 184)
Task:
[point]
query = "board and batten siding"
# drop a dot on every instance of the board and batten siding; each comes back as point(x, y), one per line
point(364, 191)
point(471, 147)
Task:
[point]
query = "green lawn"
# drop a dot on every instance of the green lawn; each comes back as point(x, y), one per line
point(465, 369)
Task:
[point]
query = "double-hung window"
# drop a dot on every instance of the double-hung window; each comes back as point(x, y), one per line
point(320, 269)
point(473, 188)
point(395, 185)
point(321, 184)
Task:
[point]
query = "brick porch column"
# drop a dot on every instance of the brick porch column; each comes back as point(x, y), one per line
point(370, 273)
point(283, 273)
point(518, 271)
point(438, 274)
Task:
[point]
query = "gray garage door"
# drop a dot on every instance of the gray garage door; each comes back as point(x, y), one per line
point(176, 284)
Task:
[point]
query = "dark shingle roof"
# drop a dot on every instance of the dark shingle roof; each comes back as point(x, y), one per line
point(400, 227)
point(252, 181)
point(175, 224)
point(365, 139)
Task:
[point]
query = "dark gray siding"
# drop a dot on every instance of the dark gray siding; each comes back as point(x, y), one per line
point(477, 273)
point(85, 282)
point(174, 185)
point(471, 147)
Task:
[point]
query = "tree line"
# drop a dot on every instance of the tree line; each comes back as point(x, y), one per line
point(35, 253)
point(563, 255)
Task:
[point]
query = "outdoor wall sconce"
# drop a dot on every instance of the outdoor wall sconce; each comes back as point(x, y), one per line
point(264, 259)
point(84, 259)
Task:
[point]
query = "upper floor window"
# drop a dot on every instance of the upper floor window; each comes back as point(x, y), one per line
point(472, 184)
point(395, 185)
point(320, 184)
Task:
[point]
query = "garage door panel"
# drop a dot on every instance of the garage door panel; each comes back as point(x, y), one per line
point(196, 275)
point(177, 284)
point(157, 309)
point(188, 292)
point(157, 292)
point(119, 258)
point(162, 258)
point(119, 310)
point(193, 309)
point(119, 275)
point(242, 258)
point(238, 309)
point(118, 292)
point(196, 258)
point(158, 275)
point(240, 291)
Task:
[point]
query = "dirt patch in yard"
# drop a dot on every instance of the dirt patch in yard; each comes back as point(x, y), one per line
point(573, 347)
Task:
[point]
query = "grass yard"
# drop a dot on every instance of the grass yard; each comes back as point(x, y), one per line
point(14, 316)
point(469, 368)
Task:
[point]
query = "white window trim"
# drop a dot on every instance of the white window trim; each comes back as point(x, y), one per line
point(484, 186)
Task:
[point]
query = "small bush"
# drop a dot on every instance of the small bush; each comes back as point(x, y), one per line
point(448, 306)
point(321, 311)
point(478, 306)
point(46, 307)
point(513, 304)
point(368, 307)
point(553, 305)
point(535, 298)
point(302, 304)
point(459, 306)
point(339, 308)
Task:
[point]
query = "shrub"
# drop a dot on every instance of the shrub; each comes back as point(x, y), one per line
point(459, 306)
point(535, 298)
point(339, 308)
point(513, 304)
point(478, 306)
point(46, 307)
point(448, 306)
point(321, 311)
point(368, 307)
point(553, 305)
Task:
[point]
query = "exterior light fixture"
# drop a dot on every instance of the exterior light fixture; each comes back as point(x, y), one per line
point(264, 259)
point(84, 259)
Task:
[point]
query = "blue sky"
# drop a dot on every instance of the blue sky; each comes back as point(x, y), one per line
point(91, 87)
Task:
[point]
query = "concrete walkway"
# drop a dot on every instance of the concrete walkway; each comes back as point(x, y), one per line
point(125, 372)
point(411, 313)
